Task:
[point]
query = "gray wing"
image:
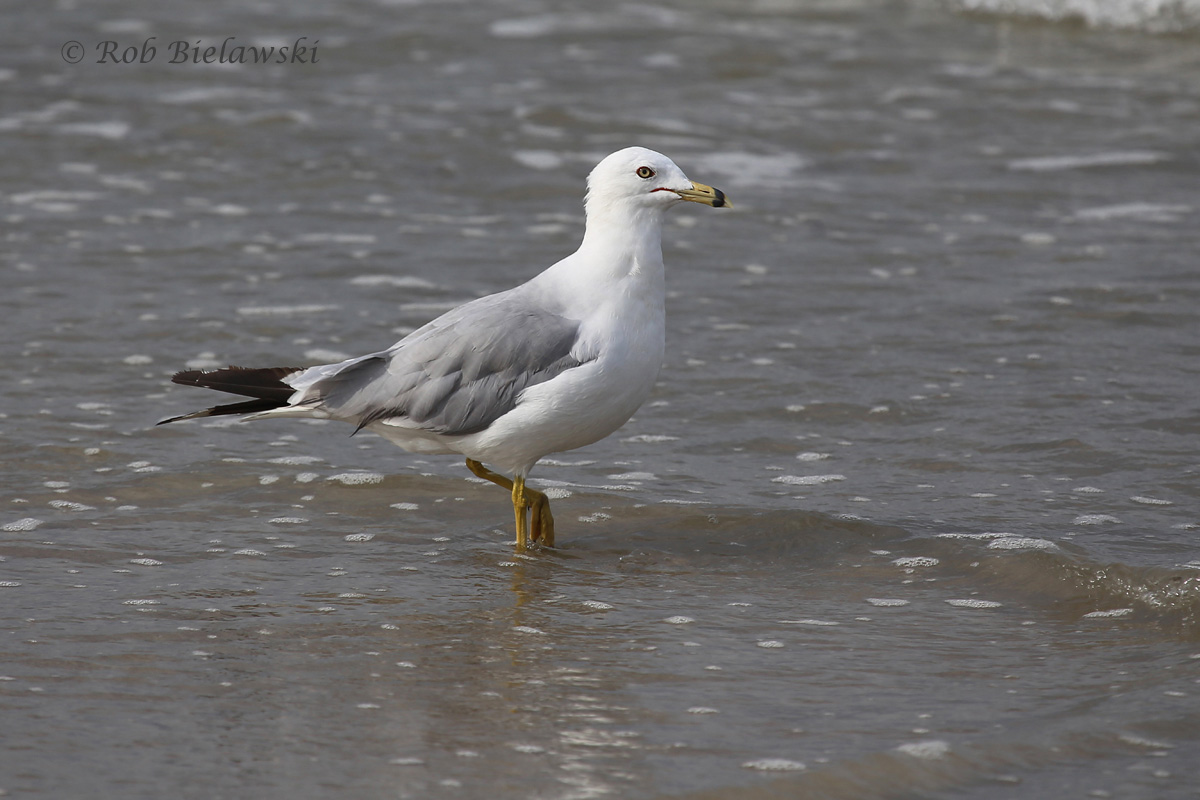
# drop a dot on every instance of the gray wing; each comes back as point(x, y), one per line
point(458, 374)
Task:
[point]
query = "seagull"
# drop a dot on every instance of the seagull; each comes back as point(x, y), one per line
point(556, 363)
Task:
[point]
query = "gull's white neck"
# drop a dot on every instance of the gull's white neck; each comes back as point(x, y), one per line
point(621, 242)
point(621, 254)
point(624, 242)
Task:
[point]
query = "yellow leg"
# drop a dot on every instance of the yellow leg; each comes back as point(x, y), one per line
point(540, 527)
point(520, 505)
point(542, 520)
point(480, 471)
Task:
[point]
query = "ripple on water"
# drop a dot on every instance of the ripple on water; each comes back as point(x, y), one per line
point(1021, 543)
point(1086, 161)
point(932, 748)
point(774, 765)
point(909, 562)
point(1095, 519)
point(807, 480)
point(22, 525)
point(356, 478)
point(973, 603)
point(68, 505)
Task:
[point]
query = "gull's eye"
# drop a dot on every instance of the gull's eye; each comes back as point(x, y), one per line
point(645, 172)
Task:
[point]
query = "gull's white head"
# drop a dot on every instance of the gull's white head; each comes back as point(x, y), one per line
point(636, 179)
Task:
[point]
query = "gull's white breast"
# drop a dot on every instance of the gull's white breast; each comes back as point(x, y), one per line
point(621, 342)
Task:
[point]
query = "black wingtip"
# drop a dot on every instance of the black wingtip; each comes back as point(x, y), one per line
point(247, 407)
point(246, 381)
point(266, 386)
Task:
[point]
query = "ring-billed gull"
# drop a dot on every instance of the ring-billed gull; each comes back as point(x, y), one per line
point(556, 363)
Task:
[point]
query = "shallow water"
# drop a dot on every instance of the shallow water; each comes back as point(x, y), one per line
point(913, 512)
